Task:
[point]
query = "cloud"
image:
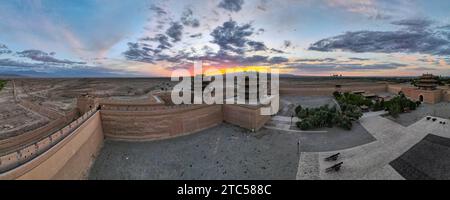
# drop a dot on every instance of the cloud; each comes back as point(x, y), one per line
point(276, 50)
point(137, 53)
point(278, 60)
point(287, 44)
point(257, 46)
point(418, 37)
point(333, 67)
point(234, 46)
point(38, 55)
point(232, 37)
point(45, 70)
point(358, 59)
point(158, 10)
point(316, 60)
point(231, 5)
point(162, 42)
point(187, 18)
point(414, 24)
point(198, 35)
point(4, 49)
point(175, 31)
point(423, 69)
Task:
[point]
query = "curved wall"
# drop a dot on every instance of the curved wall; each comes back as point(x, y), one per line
point(65, 154)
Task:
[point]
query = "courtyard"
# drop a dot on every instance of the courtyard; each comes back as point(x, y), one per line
point(229, 152)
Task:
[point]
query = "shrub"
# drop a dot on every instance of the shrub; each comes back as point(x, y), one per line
point(304, 125)
point(394, 110)
point(2, 84)
point(298, 109)
point(325, 116)
point(336, 94)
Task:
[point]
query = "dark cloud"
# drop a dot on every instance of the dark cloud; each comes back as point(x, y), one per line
point(198, 35)
point(414, 24)
point(45, 70)
point(137, 53)
point(232, 37)
point(316, 60)
point(276, 50)
point(257, 46)
point(446, 27)
point(41, 56)
point(20, 64)
point(262, 5)
point(427, 42)
point(358, 59)
point(332, 67)
point(175, 31)
point(4, 49)
point(260, 31)
point(187, 18)
point(287, 44)
point(423, 69)
point(278, 60)
point(162, 42)
point(231, 5)
point(158, 10)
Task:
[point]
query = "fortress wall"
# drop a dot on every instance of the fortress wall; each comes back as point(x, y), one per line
point(244, 116)
point(394, 89)
point(429, 96)
point(446, 95)
point(66, 154)
point(320, 90)
point(159, 124)
point(370, 88)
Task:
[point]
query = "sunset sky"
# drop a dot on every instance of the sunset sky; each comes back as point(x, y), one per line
point(152, 38)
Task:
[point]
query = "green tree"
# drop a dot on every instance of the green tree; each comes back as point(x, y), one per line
point(298, 109)
point(394, 110)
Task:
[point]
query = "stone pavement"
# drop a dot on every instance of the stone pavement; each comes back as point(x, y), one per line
point(371, 161)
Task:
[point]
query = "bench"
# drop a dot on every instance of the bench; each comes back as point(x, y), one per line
point(335, 167)
point(333, 157)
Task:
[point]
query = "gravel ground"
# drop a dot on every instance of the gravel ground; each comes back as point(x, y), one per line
point(223, 152)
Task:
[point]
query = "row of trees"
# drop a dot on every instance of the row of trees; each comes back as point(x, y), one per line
point(353, 99)
point(325, 116)
point(395, 106)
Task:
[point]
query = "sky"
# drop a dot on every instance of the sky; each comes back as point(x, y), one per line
point(108, 38)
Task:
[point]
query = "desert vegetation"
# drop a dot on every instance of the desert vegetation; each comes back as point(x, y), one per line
point(2, 84)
